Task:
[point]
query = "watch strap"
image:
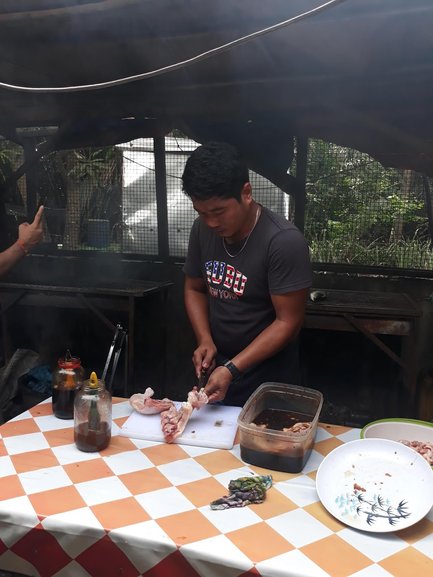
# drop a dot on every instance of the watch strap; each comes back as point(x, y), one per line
point(235, 372)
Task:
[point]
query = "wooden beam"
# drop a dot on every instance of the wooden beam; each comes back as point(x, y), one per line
point(301, 178)
point(161, 195)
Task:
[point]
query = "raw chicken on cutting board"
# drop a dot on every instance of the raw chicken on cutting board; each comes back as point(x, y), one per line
point(213, 426)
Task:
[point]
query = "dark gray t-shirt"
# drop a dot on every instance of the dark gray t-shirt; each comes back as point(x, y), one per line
point(275, 261)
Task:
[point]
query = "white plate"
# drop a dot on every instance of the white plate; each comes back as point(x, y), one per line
point(375, 485)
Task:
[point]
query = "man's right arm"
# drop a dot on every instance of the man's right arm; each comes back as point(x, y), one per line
point(196, 304)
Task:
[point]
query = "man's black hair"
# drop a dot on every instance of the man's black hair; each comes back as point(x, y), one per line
point(215, 169)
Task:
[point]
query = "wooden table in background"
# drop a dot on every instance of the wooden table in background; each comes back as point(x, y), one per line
point(372, 314)
point(96, 299)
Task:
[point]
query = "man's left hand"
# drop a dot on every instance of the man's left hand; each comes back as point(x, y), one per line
point(218, 384)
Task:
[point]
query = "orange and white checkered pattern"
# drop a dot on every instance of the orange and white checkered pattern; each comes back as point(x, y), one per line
point(141, 508)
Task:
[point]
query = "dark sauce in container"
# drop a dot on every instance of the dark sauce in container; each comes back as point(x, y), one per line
point(277, 419)
point(67, 378)
point(274, 461)
point(90, 441)
point(63, 403)
point(290, 461)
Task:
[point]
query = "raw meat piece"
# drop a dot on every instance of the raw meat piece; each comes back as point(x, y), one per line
point(298, 428)
point(144, 404)
point(423, 448)
point(197, 398)
point(173, 421)
point(295, 444)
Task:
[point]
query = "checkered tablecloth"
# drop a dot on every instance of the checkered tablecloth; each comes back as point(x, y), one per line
point(141, 508)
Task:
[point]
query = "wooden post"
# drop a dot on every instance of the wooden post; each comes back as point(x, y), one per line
point(161, 195)
point(301, 177)
point(31, 178)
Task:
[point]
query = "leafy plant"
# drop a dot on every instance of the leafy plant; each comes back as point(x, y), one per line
point(10, 159)
point(5, 162)
point(359, 212)
point(84, 182)
point(97, 170)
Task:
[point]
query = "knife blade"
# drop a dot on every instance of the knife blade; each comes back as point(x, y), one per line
point(202, 380)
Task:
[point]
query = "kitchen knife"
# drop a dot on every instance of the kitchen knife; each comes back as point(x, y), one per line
point(202, 380)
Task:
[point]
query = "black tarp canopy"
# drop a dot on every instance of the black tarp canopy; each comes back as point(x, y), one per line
point(358, 73)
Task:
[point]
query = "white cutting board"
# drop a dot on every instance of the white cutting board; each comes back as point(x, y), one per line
point(211, 426)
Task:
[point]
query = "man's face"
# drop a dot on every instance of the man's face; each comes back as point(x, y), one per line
point(227, 217)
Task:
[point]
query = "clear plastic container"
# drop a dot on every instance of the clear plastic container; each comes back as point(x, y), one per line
point(274, 407)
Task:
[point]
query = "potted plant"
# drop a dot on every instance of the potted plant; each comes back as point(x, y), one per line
point(94, 191)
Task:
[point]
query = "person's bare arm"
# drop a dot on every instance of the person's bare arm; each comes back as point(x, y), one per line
point(290, 311)
point(196, 304)
point(28, 236)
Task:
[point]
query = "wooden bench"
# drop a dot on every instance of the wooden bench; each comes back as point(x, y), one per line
point(372, 314)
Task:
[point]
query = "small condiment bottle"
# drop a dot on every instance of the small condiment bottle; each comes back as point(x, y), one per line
point(67, 379)
point(92, 415)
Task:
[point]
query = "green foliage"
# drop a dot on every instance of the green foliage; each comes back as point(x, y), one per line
point(94, 171)
point(94, 165)
point(413, 253)
point(98, 171)
point(85, 184)
point(5, 162)
point(359, 212)
point(11, 157)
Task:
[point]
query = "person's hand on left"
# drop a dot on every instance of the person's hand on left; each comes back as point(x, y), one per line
point(29, 235)
point(218, 384)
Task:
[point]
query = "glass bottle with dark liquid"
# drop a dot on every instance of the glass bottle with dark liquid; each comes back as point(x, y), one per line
point(67, 379)
point(92, 416)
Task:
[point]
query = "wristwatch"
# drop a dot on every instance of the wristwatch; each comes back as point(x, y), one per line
point(235, 372)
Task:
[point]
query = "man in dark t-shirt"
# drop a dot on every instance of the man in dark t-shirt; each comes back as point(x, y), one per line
point(247, 275)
